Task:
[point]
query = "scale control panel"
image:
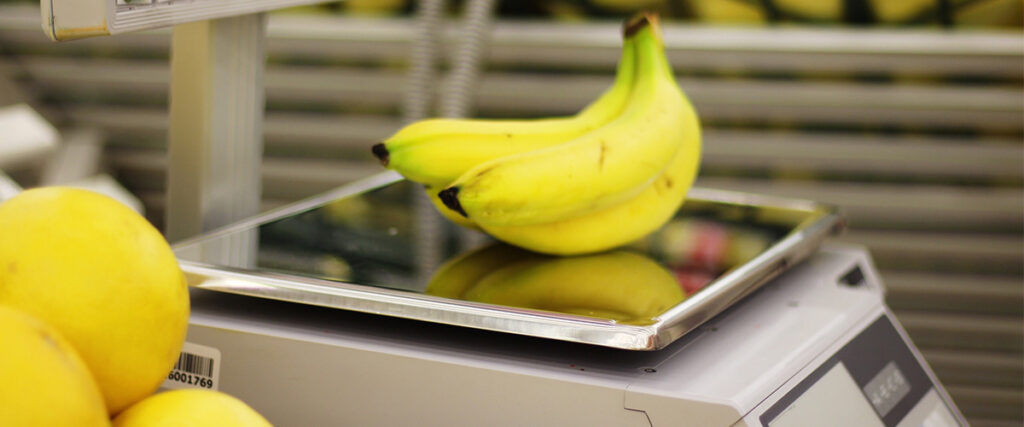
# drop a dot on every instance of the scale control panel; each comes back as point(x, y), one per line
point(875, 379)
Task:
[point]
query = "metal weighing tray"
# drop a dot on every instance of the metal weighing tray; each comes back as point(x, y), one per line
point(362, 247)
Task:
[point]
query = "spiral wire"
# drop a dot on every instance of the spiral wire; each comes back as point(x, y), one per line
point(468, 59)
point(416, 105)
point(462, 79)
point(456, 102)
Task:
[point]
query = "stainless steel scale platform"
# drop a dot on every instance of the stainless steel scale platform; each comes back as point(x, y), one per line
point(320, 314)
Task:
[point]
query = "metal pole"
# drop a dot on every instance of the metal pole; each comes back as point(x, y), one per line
point(215, 142)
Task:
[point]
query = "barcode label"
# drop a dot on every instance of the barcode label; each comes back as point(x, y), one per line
point(198, 366)
point(195, 364)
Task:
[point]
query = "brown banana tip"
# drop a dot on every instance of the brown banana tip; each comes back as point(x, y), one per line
point(638, 22)
point(381, 152)
point(449, 196)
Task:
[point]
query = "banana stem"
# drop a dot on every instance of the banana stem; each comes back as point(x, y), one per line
point(381, 152)
point(639, 22)
point(449, 196)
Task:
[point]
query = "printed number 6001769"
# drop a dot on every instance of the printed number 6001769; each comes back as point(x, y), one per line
point(190, 379)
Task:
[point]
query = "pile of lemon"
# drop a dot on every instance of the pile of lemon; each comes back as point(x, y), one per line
point(93, 314)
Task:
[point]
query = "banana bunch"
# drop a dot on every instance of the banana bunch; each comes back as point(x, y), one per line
point(609, 175)
point(619, 285)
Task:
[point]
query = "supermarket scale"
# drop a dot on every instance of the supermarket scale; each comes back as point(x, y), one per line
point(316, 314)
point(339, 310)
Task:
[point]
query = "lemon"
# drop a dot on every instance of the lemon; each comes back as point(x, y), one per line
point(45, 383)
point(192, 408)
point(103, 277)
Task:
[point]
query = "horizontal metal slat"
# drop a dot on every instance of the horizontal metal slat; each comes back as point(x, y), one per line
point(805, 102)
point(964, 331)
point(909, 155)
point(335, 85)
point(973, 293)
point(976, 368)
point(942, 252)
point(107, 74)
point(908, 206)
point(67, 78)
point(124, 123)
point(327, 132)
point(282, 178)
point(989, 403)
point(989, 422)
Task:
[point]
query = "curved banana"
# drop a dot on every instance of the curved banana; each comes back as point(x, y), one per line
point(595, 171)
point(437, 151)
point(622, 223)
point(619, 285)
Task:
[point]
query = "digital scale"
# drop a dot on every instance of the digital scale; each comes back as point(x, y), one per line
point(325, 313)
point(315, 314)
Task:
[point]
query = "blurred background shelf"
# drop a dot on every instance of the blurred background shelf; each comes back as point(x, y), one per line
point(916, 131)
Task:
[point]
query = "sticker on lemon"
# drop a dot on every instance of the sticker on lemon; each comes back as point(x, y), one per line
point(45, 383)
point(190, 407)
point(104, 278)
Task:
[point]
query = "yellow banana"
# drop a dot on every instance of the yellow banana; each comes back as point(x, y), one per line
point(602, 168)
point(619, 224)
point(619, 285)
point(437, 151)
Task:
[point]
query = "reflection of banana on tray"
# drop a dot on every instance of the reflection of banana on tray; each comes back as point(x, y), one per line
point(618, 285)
point(607, 176)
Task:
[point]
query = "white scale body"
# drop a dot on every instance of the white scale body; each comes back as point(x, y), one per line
point(815, 347)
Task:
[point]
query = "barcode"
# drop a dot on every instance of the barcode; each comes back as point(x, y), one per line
point(195, 364)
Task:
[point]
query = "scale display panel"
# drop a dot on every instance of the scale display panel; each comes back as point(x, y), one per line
point(74, 19)
point(362, 248)
point(874, 380)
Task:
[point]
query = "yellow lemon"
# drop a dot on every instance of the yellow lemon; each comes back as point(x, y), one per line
point(104, 278)
point(191, 408)
point(45, 383)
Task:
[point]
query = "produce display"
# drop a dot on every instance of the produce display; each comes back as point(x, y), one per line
point(613, 173)
point(93, 309)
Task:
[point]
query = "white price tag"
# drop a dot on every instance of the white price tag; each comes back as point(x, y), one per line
point(198, 366)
